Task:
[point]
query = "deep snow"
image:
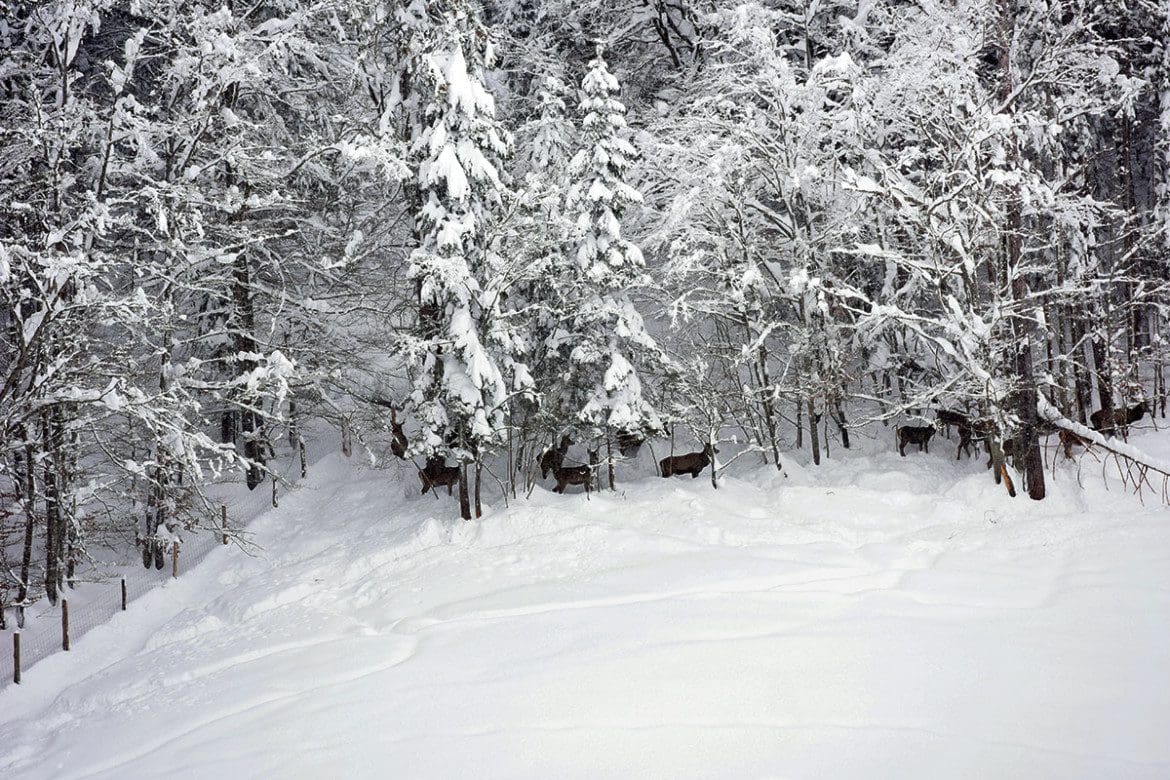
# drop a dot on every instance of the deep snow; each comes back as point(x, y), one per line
point(874, 617)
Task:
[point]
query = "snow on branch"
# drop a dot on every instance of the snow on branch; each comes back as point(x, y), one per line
point(1136, 469)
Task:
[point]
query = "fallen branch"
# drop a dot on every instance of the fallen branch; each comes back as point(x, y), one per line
point(1136, 469)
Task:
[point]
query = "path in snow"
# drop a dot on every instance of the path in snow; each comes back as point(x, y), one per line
point(876, 617)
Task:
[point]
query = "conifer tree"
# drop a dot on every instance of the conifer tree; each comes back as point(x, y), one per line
point(456, 145)
point(602, 339)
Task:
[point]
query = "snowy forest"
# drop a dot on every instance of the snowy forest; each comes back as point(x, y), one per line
point(472, 235)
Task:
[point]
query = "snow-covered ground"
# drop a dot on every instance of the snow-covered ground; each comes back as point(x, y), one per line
point(875, 617)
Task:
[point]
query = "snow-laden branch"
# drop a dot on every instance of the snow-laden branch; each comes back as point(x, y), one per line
point(1133, 466)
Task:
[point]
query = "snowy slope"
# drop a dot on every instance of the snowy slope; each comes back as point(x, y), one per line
point(877, 617)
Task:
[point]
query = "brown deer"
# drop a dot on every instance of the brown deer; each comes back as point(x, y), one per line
point(1068, 440)
point(914, 434)
point(437, 474)
point(552, 458)
point(1107, 421)
point(973, 431)
point(398, 443)
point(629, 442)
point(947, 418)
point(692, 463)
point(573, 475)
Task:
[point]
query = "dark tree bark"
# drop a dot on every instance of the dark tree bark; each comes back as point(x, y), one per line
point(28, 498)
point(813, 438)
point(464, 497)
point(1028, 439)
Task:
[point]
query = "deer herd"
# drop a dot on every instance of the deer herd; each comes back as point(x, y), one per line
point(436, 474)
point(552, 461)
point(1106, 422)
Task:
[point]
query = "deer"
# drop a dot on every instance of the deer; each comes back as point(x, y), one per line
point(398, 443)
point(692, 463)
point(573, 475)
point(1068, 440)
point(1107, 421)
point(552, 458)
point(436, 474)
point(914, 434)
point(629, 442)
point(974, 430)
point(947, 418)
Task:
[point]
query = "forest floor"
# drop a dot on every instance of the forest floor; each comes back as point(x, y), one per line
point(876, 616)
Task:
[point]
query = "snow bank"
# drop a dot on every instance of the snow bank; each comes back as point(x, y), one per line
point(880, 615)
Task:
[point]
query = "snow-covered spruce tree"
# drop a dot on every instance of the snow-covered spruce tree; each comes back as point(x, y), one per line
point(456, 145)
point(602, 339)
point(538, 234)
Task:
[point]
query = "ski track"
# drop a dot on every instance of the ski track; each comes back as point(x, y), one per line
point(667, 630)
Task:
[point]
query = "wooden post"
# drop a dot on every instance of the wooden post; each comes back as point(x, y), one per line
point(16, 657)
point(64, 624)
point(175, 559)
point(123, 594)
point(609, 457)
point(304, 458)
point(223, 515)
point(274, 504)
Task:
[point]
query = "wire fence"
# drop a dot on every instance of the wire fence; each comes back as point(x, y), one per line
point(93, 602)
point(50, 629)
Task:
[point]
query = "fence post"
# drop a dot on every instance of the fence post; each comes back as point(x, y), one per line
point(123, 594)
point(223, 514)
point(175, 559)
point(64, 624)
point(16, 657)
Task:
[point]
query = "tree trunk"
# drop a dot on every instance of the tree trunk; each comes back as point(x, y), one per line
point(839, 419)
point(609, 459)
point(1023, 328)
point(813, 438)
point(52, 512)
point(1000, 467)
point(769, 399)
point(1102, 373)
point(29, 493)
point(464, 498)
point(711, 441)
point(245, 346)
point(799, 424)
point(1084, 393)
point(478, 475)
